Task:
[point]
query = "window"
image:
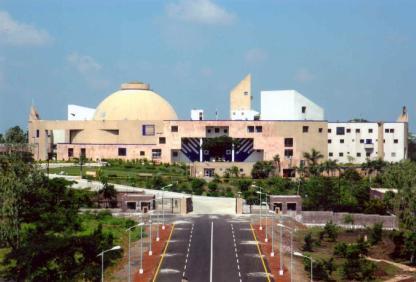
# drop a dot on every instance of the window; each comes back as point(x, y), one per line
point(288, 142)
point(303, 109)
point(368, 154)
point(320, 130)
point(288, 153)
point(162, 140)
point(156, 153)
point(391, 130)
point(250, 128)
point(175, 154)
point(370, 130)
point(341, 154)
point(348, 130)
point(386, 130)
point(361, 141)
point(329, 141)
point(174, 128)
point(358, 154)
point(225, 130)
point(209, 130)
point(396, 141)
point(331, 154)
point(341, 141)
point(37, 133)
point(122, 151)
point(70, 152)
point(83, 152)
point(368, 141)
point(245, 93)
point(393, 154)
point(259, 128)
point(340, 130)
point(329, 130)
point(357, 130)
point(217, 130)
point(142, 153)
point(305, 129)
point(148, 130)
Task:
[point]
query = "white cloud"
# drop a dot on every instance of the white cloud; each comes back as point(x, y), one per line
point(199, 11)
point(89, 69)
point(13, 32)
point(255, 56)
point(84, 64)
point(304, 75)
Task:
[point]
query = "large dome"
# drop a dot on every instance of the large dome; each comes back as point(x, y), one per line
point(134, 101)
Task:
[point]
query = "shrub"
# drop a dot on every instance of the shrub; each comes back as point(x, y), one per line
point(331, 231)
point(308, 242)
point(340, 249)
point(376, 234)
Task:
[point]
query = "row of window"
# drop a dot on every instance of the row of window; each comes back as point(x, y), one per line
point(217, 130)
point(362, 141)
point(340, 130)
point(368, 154)
point(122, 152)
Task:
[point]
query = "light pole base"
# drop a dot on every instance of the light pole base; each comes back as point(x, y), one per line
point(163, 227)
point(150, 253)
point(141, 270)
point(266, 240)
point(272, 254)
point(157, 239)
point(281, 272)
point(261, 227)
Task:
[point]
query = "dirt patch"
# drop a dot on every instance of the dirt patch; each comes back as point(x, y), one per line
point(272, 262)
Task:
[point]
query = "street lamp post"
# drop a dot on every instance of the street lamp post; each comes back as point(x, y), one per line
point(102, 259)
point(150, 237)
point(163, 208)
point(281, 251)
point(129, 231)
point(261, 207)
point(266, 238)
point(273, 216)
point(291, 230)
point(141, 248)
point(310, 258)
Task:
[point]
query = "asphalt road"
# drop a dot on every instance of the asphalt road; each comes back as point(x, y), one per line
point(212, 248)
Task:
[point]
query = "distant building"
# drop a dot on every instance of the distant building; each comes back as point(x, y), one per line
point(288, 105)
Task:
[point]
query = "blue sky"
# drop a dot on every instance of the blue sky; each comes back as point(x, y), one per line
point(354, 58)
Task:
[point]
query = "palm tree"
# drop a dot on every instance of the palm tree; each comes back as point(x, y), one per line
point(276, 160)
point(313, 158)
point(330, 166)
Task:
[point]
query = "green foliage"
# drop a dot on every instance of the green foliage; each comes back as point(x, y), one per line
point(262, 169)
point(308, 242)
point(322, 269)
point(340, 249)
point(244, 184)
point(312, 158)
point(404, 245)
point(15, 135)
point(212, 186)
point(197, 186)
point(331, 231)
point(375, 234)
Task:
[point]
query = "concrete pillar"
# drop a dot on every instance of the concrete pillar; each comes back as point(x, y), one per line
point(239, 205)
point(201, 155)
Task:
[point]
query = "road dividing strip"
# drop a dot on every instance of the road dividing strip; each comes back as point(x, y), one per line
point(212, 250)
point(261, 256)
point(163, 254)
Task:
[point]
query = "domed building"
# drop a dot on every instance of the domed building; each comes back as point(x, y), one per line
point(134, 101)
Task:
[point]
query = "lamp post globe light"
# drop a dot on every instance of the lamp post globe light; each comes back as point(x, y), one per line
point(291, 230)
point(129, 250)
point(163, 202)
point(150, 236)
point(309, 258)
point(102, 259)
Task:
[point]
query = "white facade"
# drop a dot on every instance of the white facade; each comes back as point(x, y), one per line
point(244, 115)
point(288, 105)
point(197, 114)
point(395, 141)
point(355, 142)
point(80, 113)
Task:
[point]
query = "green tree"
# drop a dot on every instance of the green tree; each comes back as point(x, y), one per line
point(375, 234)
point(349, 220)
point(262, 169)
point(197, 186)
point(312, 158)
point(331, 231)
point(308, 242)
point(15, 135)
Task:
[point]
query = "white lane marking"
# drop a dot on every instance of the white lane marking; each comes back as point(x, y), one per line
point(187, 252)
point(212, 250)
